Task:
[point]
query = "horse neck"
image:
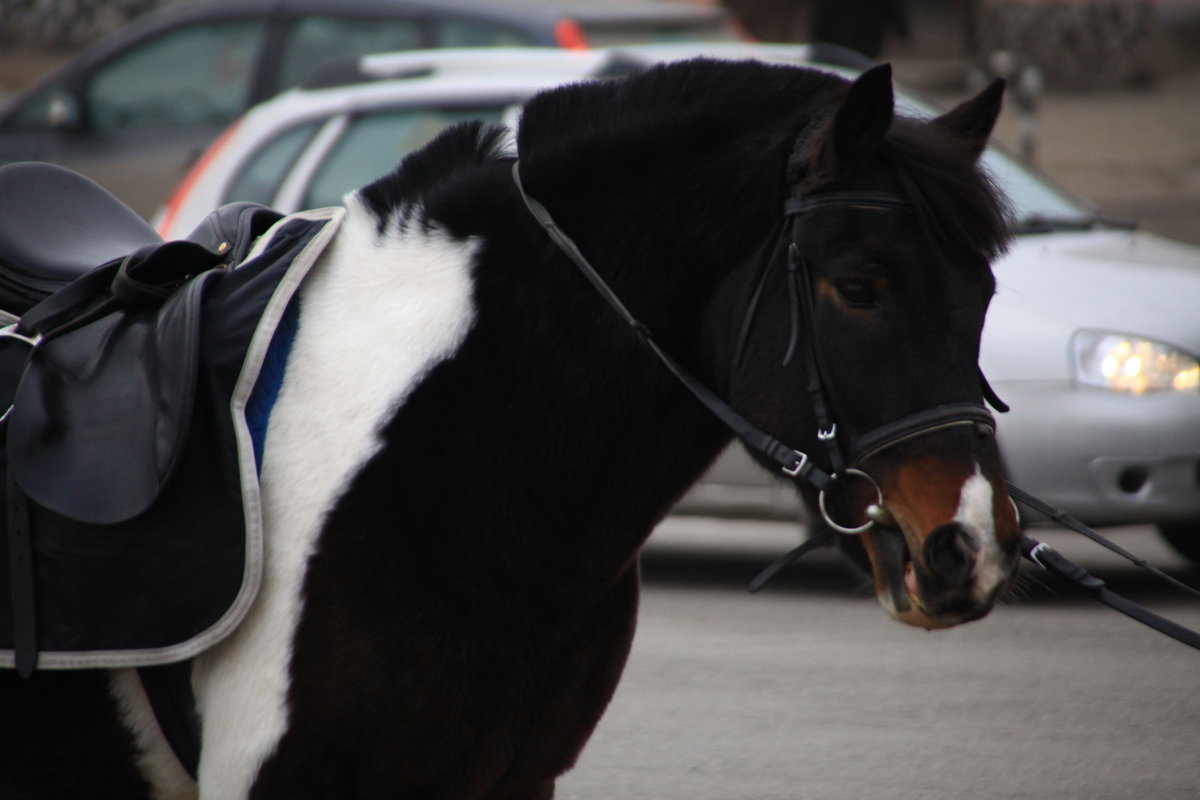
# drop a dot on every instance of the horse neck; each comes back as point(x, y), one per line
point(550, 409)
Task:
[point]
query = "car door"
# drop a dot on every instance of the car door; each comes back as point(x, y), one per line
point(306, 41)
point(134, 121)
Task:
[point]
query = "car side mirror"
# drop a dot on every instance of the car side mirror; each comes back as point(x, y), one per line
point(62, 112)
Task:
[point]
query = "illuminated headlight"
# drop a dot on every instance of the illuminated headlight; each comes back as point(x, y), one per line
point(1129, 364)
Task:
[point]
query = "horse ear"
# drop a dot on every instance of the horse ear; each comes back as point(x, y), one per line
point(973, 120)
point(861, 120)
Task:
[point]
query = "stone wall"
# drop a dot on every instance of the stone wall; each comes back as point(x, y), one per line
point(1078, 44)
point(66, 24)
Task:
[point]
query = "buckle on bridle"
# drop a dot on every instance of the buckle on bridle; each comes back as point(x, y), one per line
point(828, 435)
point(1036, 552)
point(797, 468)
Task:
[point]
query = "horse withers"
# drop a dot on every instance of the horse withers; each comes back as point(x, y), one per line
point(472, 438)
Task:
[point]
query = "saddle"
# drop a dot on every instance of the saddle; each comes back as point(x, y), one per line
point(137, 393)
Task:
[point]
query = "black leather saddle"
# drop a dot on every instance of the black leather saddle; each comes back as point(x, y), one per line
point(129, 368)
point(123, 335)
point(56, 225)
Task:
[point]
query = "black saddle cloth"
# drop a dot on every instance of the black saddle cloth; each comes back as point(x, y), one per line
point(132, 445)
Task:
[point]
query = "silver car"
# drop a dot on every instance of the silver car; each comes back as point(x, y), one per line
point(1091, 338)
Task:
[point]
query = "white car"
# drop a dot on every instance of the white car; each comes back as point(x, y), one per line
point(1092, 337)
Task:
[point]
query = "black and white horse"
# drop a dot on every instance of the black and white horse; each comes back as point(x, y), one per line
point(470, 445)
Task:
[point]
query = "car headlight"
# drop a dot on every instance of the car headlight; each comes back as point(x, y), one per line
point(1131, 364)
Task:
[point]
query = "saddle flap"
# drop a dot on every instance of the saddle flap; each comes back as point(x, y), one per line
point(101, 414)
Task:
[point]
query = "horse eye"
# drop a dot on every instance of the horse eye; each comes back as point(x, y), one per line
point(858, 293)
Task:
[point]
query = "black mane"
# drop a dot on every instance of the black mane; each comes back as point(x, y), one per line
point(676, 113)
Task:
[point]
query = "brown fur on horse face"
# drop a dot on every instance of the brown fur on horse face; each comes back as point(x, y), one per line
point(932, 573)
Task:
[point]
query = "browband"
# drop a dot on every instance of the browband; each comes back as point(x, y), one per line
point(880, 201)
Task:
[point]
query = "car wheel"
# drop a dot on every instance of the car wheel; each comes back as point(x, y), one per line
point(1184, 538)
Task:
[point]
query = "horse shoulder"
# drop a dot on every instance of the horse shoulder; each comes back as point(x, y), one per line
point(378, 311)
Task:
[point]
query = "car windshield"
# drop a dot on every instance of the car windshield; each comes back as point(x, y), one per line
point(1038, 206)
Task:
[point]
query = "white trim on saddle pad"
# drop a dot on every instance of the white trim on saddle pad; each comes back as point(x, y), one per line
point(248, 377)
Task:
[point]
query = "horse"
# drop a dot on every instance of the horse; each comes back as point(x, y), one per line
point(518, 351)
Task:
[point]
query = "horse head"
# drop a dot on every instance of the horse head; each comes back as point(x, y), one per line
point(890, 228)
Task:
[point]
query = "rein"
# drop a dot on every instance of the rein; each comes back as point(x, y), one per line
point(798, 465)
point(792, 462)
point(1054, 562)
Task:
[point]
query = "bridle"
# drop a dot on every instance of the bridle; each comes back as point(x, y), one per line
point(843, 460)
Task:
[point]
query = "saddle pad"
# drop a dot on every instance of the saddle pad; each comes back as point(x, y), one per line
point(175, 580)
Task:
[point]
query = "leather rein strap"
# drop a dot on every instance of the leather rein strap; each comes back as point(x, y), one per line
point(1054, 562)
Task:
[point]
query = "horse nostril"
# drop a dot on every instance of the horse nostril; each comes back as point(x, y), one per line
point(950, 552)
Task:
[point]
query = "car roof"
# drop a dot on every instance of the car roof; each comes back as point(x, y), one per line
point(449, 77)
point(457, 74)
point(508, 9)
point(550, 64)
point(535, 16)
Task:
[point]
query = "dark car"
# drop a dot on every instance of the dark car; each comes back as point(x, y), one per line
point(133, 110)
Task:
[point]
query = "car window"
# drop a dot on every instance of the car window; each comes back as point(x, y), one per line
point(314, 40)
point(195, 75)
point(608, 34)
point(260, 177)
point(473, 33)
point(1031, 195)
point(373, 144)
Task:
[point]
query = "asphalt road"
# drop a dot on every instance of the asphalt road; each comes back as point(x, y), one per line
point(807, 691)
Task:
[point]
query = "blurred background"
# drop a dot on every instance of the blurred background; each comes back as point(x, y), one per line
point(807, 690)
point(1110, 89)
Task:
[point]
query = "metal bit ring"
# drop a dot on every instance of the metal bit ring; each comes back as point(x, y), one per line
point(875, 511)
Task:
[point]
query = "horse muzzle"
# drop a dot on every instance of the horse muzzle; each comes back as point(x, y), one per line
point(941, 574)
point(952, 582)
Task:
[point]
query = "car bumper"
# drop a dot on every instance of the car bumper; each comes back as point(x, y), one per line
point(1105, 457)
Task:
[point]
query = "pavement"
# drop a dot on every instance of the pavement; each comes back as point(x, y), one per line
point(807, 691)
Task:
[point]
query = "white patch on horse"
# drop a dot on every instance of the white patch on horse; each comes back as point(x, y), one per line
point(976, 513)
point(376, 314)
point(166, 776)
